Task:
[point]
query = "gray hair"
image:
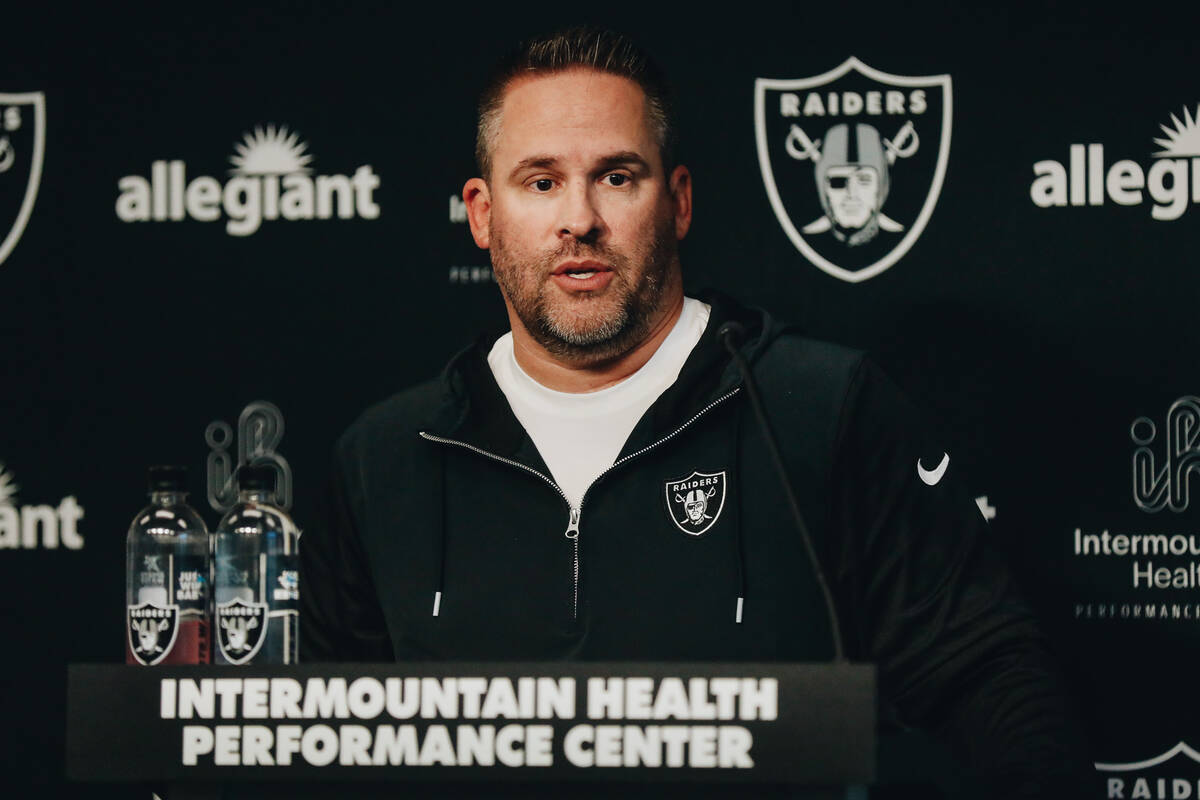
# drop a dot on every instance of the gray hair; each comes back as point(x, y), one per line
point(588, 48)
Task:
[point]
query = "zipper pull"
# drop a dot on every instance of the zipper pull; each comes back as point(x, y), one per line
point(573, 525)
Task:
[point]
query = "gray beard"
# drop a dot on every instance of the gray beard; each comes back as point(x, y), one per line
point(613, 337)
point(856, 236)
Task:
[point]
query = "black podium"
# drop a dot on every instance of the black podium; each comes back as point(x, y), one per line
point(475, 729)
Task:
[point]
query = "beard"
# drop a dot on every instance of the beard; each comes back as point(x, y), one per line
point(587, 327)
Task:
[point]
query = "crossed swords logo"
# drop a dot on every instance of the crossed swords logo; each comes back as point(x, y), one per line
point(800, 147)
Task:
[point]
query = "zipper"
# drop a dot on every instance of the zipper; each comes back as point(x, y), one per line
point(573, 534)
point(575, 514)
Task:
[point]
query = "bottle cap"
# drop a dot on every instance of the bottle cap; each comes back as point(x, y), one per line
point(167, 478)
point(256, 477)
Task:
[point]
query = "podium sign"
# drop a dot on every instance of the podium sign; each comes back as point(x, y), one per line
point(777, 723)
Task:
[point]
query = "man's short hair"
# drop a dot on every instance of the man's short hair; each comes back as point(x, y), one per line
point(589, 48)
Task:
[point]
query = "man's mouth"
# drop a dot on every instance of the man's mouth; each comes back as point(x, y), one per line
point(582, 275)
point(581, 270)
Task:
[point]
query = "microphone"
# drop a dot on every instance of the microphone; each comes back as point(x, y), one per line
point(732, 334)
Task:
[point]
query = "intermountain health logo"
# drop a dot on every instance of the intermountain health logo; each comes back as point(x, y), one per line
point(28, 527)
point(1163, 480)
point(1149, 573)
point(22, 148)
point(270, 180)
point(1171, 181)
point(259, 432)
point(853, 162)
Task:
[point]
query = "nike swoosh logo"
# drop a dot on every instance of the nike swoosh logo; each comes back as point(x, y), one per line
point(931, 476)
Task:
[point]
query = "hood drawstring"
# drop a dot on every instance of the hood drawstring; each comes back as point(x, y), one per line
point(739, 555)
point(440, 531)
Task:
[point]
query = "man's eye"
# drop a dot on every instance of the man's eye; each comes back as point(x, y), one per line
point(543, 184)
point(616, 179)
point(836, 181)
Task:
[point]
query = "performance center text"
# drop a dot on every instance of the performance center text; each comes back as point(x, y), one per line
point(485, 744)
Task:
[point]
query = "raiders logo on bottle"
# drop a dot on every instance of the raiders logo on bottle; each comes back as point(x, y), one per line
point(152, 631)
point(241, 629)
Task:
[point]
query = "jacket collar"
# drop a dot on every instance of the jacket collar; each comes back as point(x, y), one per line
point(474, 410)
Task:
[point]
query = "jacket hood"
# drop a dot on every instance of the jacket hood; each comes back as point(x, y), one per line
point(474, 409)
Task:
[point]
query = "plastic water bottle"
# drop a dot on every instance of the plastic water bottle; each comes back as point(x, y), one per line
point(167, 577)
point(257, 579)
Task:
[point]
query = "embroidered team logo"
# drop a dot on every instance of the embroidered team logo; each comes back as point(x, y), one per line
point(853, 162)
point(22, 146)
point(694, 503)
point(241, 629)
point(152, 631)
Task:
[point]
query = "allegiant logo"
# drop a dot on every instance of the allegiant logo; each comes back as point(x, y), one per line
point(1087, 179)
point(271, 181)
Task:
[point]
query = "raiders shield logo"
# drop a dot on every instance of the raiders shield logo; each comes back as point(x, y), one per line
point(853, 162)
point(694, 503)
point(22, 145)
point(152, 631)
point(241, 629)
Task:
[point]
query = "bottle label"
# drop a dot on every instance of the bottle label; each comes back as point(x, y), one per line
point(192, 588)
point(287, 586)
point(241, 629)
point(152, 631)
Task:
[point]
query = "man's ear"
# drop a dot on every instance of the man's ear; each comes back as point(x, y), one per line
point(478, 198)
point(681, 199)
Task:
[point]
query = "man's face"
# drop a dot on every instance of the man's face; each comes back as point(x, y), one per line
point(853, 193)
point(581, 222)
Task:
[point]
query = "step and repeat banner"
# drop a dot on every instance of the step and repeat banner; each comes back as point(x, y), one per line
point(224, 234)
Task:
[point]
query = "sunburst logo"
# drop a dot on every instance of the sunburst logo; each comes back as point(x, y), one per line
point(271, 180)
point(1091, 176)
point(274, 151)
point(8, 489)
point(1183, 139)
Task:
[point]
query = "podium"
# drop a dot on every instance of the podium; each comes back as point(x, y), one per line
point(453, 729)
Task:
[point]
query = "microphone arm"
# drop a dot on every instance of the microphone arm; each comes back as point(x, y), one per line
point(731, 335)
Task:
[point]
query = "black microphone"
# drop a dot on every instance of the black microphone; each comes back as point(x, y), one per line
point(732, 334)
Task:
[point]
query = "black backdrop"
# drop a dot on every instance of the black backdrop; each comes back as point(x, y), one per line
point(1038, 330)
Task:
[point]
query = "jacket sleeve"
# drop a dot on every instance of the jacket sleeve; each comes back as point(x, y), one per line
point(932, 603)
point(340, 615)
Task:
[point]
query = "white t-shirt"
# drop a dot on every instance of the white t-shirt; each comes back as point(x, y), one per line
point(579, 435)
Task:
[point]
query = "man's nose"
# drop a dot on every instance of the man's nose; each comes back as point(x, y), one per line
point(579, 216)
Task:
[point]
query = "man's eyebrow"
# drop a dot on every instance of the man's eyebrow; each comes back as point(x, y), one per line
point(536, 161)
point(623, 158)
point(627, 157)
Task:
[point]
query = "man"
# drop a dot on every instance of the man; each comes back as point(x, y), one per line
point(591, 485)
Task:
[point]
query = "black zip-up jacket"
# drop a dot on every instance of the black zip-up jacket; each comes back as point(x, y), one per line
point(442, 503)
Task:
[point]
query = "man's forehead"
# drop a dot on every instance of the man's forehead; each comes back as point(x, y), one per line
point(573, 112)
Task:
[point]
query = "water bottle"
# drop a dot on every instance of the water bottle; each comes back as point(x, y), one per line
point(167, 577)
point(257, 576)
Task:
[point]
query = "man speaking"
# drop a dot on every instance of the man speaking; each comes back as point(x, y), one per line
point(593, 483)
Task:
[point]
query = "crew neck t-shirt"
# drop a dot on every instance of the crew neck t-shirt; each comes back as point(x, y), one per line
point(580, 435)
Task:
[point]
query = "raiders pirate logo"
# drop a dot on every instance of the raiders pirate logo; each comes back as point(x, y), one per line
point(152, 631)
point(22, 147)
point(853, 162)
point(694, 503)
point(241, 629)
